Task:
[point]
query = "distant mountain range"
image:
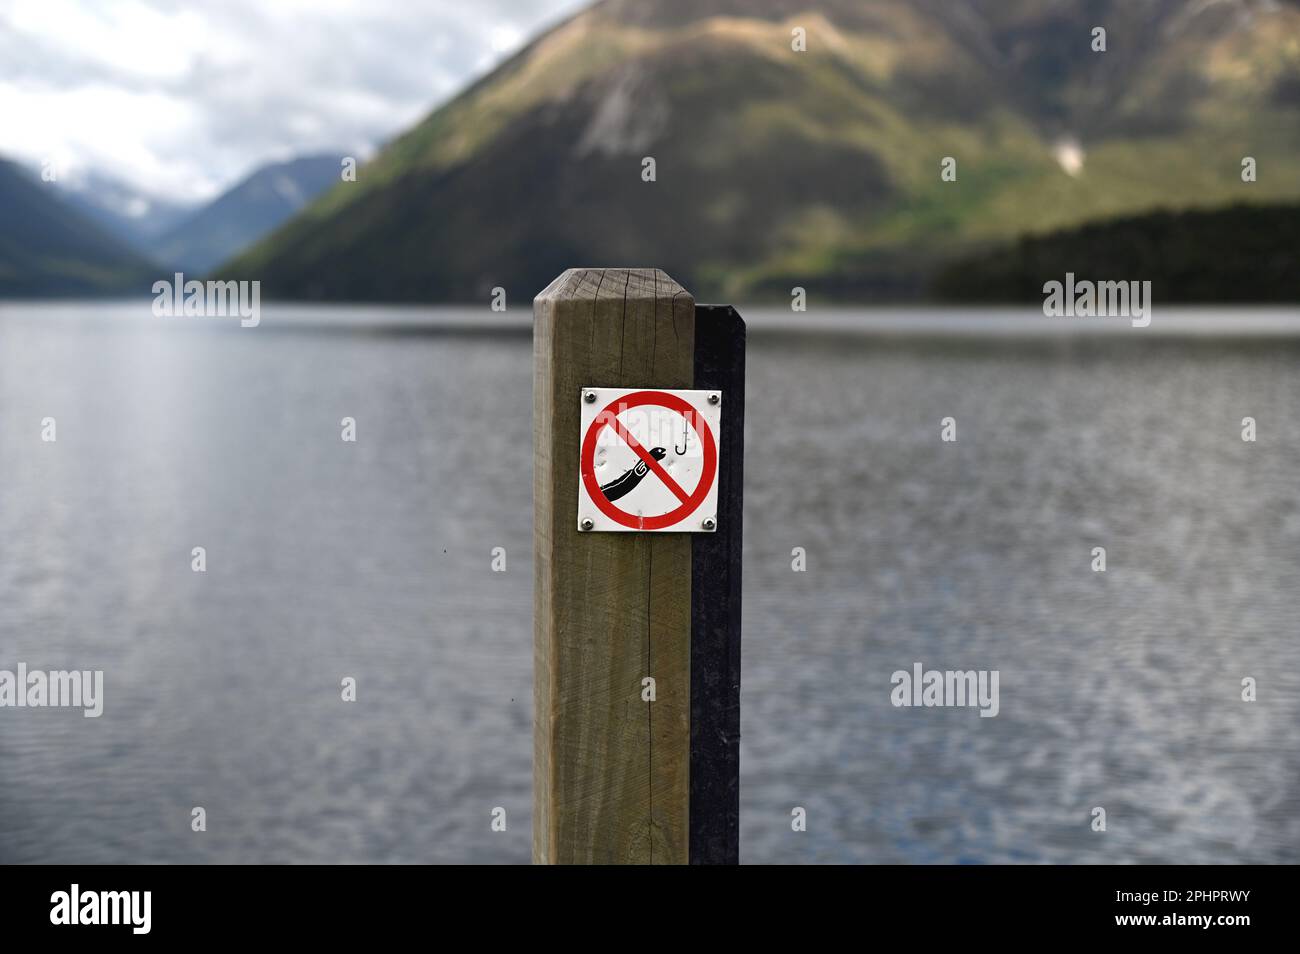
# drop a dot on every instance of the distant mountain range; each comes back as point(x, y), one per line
point(774, 168)
point(245, 213)
point(777, 168)
point(95, 235)
point(132, 214)
point(48, 245)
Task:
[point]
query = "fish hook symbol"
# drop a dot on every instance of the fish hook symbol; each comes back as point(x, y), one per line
point(686, 440)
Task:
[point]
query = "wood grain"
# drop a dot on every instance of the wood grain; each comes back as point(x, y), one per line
point(611, 773)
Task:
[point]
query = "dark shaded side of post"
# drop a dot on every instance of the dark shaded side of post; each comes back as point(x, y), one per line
point(715, 604)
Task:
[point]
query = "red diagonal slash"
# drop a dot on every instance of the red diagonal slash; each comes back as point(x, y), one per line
point(644, 454)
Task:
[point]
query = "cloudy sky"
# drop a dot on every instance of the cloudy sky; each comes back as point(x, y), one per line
point(184, 98)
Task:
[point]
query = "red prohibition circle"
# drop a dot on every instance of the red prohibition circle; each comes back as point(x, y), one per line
point(606, 417)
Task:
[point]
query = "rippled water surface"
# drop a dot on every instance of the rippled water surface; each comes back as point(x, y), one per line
point(326, 559)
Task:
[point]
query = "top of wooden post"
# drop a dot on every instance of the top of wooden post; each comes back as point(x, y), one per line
point(634, 284)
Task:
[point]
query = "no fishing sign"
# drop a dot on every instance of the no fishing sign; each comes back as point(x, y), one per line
point(648, 460)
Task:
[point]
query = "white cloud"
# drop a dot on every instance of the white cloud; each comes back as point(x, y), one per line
point(184, 98)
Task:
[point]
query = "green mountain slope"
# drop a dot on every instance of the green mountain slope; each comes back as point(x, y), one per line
point(48, 247)
point(820, 168)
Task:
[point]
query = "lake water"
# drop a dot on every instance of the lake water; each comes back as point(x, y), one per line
point(326, 559)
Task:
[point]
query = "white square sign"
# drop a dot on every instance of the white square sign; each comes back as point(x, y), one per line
point(648, 460)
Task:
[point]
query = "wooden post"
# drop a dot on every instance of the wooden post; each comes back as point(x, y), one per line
point(617, 779)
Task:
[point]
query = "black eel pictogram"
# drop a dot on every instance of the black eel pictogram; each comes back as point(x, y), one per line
point(624, 484)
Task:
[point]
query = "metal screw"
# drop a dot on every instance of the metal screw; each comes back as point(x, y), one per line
point(590, 397)
point(587, 523)
point(709, 524)
point(715, 398)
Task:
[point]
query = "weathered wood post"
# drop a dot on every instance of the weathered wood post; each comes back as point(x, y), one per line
point(636, 633)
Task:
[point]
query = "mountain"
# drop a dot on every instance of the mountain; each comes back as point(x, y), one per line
point(134, 215)
point(245, 213)
point(778, 168)
point(47, 247)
